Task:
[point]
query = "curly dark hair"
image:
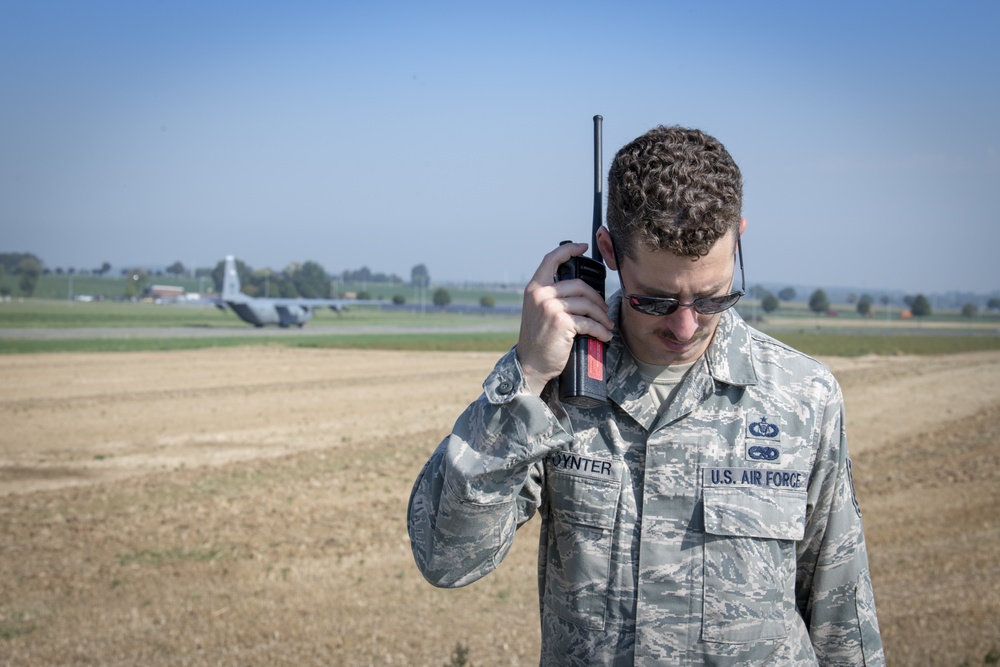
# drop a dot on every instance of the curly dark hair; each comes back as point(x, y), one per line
point(674, 189)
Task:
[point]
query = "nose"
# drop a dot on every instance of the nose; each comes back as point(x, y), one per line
point(683, 323)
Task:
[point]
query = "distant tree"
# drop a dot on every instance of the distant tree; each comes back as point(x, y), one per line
point(263, 282)
point(282, 286)
point(176, 269)
point(28, 270)
point(769, 303)
point(105, 267)
point(362, 275)
point(419, 276)
point(364, 295)
point(909, 299)
point(10, 260)
point(756, 292)
point(398, 300)
point(970, 310)
point(135, 282)
point(818, 302)
point(365, 275)
point(787, 294)
point(441, 297)
point(865, 305)
point(311, 281)
point(487, 301)
point(992, 304)
point(921, 307)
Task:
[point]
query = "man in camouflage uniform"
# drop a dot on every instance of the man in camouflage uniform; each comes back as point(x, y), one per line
point(705, 514)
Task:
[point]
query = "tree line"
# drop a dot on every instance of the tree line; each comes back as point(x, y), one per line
point(918, 305)
point(308, 279)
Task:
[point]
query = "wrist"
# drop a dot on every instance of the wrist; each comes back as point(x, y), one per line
point(534, 380)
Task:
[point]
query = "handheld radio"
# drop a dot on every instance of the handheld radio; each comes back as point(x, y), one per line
point(582, 382)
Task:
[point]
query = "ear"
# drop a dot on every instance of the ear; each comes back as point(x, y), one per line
point(605, 245)
point(743, 225)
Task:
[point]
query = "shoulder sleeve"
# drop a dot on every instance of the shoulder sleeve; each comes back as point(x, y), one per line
point(833, 584)
point(483, 481)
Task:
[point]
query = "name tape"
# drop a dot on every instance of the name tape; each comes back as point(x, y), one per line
point(583, 465)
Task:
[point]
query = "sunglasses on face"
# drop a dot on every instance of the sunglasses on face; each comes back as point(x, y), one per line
point(659, 306)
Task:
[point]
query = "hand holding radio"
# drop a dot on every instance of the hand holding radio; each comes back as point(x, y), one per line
point(556, 311)
point(564, 321)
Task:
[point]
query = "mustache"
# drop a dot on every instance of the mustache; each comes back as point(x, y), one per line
point(669, 335)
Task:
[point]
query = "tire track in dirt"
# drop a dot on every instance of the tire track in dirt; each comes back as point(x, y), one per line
point(77, 419)
point(888, 398)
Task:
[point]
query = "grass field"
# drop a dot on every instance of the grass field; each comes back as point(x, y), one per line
point(372, 328)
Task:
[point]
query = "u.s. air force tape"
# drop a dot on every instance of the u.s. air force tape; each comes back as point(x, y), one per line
point(756, 477)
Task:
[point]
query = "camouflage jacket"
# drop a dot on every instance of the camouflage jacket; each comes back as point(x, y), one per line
point(723, 532)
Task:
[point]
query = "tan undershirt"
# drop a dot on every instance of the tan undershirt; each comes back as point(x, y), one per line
point(663, 381)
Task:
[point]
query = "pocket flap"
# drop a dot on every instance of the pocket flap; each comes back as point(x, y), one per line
point(585, 500)
point(752, 510)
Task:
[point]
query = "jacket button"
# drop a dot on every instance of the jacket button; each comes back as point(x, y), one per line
point(505, 387)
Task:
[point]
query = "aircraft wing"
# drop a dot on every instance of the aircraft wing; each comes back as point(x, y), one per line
point(333, 304)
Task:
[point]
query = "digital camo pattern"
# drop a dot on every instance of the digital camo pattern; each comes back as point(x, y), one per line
point(722, 532)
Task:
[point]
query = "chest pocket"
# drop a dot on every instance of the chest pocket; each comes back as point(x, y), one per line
point(578, 554)
point(749, 587)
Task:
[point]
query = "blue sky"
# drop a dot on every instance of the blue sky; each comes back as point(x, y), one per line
point(459, 135)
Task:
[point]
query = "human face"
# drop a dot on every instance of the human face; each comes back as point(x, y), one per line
point(682, 336)
point(659, 306)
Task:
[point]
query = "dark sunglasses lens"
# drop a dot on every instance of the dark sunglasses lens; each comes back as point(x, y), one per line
point(717, 304)
point(653, 306)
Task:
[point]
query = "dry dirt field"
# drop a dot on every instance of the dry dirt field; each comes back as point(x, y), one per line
point(247, 507)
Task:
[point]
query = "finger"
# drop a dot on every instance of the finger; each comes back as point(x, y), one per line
point(595, 312)
point(550, 263)
point(587, 326)
point(582, 299)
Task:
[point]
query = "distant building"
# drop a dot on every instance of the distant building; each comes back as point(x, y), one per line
point(165, 291)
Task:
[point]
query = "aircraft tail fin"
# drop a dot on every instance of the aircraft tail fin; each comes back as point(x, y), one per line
point(231, 281)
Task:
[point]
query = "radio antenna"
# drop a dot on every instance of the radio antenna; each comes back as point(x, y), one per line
point(598, 189)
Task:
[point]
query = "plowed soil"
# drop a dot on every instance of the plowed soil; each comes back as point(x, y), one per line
point(247, 507)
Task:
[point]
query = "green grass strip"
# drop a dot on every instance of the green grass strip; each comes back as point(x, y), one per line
point(856, 345)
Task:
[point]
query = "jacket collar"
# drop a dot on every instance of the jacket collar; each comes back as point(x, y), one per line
point(728, 360)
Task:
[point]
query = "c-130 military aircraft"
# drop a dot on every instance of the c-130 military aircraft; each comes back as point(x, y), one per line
point(260, 311)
